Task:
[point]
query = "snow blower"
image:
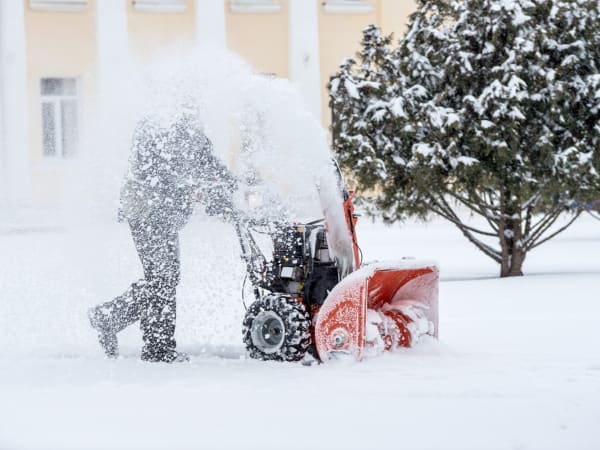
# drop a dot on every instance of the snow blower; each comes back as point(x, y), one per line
point(313, 297)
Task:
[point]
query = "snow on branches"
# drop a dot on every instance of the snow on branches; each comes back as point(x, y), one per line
point(493, 105)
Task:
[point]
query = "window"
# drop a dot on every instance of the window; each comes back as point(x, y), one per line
point(58, 5)
point(165, 6)
point(60, 117)
point(348, 6)
point(254, 6)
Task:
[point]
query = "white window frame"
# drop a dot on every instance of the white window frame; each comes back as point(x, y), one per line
point(348, 6)
point(160, 6)
point(55, 101)
point(58, 5)
point(255, 6)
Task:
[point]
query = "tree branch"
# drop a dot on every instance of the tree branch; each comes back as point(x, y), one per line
point(529, 204)
point(528, 217)
point(482, 207)
point(439, 209)
point(460, 223)
point(539, 228)
point(477, 200)
point(560, 230)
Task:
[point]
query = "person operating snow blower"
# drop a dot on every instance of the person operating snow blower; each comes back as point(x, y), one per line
point(168, 167)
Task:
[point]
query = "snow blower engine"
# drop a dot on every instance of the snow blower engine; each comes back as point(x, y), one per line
point(313, 297)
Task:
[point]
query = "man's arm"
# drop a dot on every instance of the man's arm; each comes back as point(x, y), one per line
point(212, 170)
point(216, 183)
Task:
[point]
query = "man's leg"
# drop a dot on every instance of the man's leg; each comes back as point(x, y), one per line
point(158, 247)
point(111, 317)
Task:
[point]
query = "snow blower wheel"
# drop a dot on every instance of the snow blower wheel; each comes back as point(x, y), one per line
point(277, 328)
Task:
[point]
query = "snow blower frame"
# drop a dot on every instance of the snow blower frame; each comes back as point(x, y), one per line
point(313, 297)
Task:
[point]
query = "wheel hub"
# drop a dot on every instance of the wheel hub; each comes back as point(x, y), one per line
point(268, 332)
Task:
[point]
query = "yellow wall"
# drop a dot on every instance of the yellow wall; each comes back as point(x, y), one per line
point(63, 44)
point(153, 32)
point(340, 35)
point(58, 44)
point(260, 38)
point(393, 16)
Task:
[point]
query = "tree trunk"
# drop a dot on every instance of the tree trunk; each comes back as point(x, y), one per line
point(513, 254)
point(511, 238)
point(512, 263)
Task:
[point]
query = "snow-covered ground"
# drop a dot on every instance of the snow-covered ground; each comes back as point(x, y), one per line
point(517, 365)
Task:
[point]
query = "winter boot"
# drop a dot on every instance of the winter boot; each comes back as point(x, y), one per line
point(106, 335)
point(170, 356)
point(111, 317)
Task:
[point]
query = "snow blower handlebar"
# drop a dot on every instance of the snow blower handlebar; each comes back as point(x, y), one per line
point(256, 263)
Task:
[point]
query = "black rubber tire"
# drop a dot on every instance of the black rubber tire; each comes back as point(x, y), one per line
point(297, 333)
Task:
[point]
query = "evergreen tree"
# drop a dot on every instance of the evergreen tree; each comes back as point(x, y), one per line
point(492, 106)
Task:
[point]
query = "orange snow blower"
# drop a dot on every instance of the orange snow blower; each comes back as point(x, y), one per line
point(313, 297)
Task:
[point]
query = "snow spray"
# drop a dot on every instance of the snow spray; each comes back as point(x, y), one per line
point(259, 127)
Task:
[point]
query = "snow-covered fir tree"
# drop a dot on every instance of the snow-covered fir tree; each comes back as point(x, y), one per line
point(490, 106)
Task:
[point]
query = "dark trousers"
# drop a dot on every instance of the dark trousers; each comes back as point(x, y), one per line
point(150, 300)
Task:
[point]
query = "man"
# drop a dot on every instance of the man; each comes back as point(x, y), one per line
point(168, 167)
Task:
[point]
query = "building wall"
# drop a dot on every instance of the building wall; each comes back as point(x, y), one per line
point(260, 38)
point(392, 15)
point(151, 32)
point(63, 44)
point(341, 32)
point(58, 44)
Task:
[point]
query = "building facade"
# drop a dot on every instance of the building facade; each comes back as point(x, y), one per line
point(52, 52)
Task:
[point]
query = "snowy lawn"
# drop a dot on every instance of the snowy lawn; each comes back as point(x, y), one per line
point(517, 365)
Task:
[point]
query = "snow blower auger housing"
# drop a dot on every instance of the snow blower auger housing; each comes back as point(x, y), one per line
point(313, 296)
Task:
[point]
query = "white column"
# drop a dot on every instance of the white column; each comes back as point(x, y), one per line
point(112, 42)
point(108, 134)
point(303, 41)
point(15, 166)
point(210, 23)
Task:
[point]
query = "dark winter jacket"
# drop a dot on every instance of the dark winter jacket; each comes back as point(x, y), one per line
point(168, 167)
